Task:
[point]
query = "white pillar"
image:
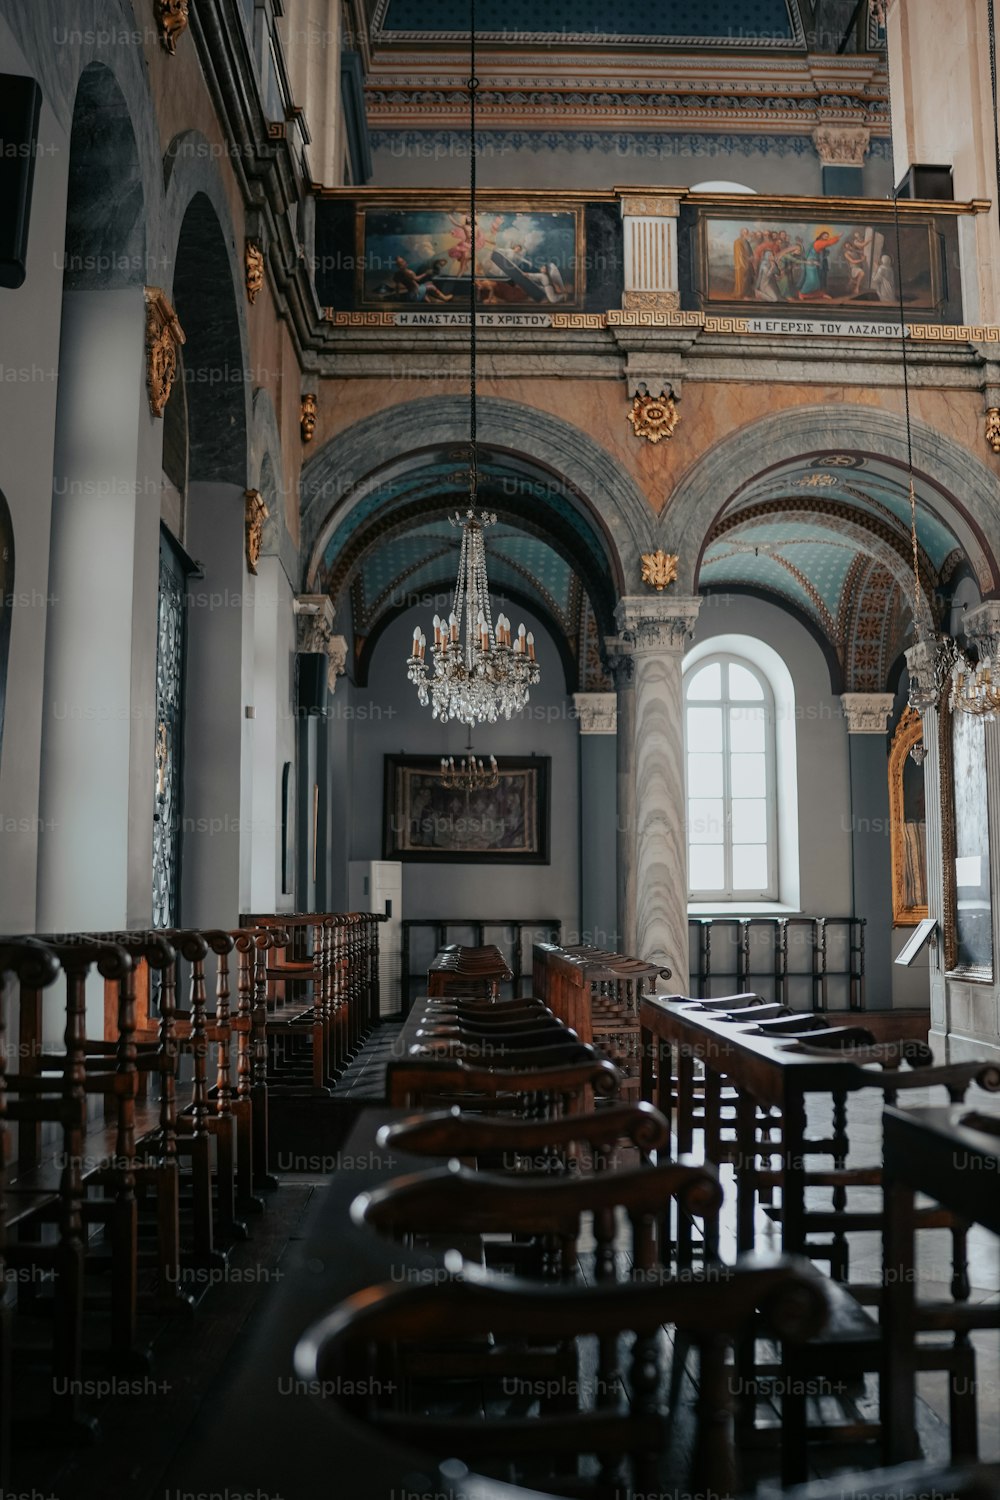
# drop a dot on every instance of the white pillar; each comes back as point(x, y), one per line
point(97, 727)
point(597, 716)
point(658, 630)
point(649, 226)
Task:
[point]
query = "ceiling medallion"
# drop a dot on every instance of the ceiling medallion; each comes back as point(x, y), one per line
point(254, 268)
point(992, 429)
point(653, 417)
point(658, 569)
point(255, 514)
point(171, 20)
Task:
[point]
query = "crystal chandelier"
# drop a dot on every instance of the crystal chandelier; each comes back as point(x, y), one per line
point(976, 689)
point(488, 673)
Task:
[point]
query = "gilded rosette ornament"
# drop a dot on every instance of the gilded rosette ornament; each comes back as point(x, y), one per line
point(164, 336)
point(307, 416)
point(255, 514)
point(658, 569)
point(653, 417)
point(992, 428)
point(253, 261)
point(171, 20)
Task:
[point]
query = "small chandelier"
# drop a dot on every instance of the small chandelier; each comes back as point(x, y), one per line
point(489, 673)
point(472, 773)
point(976, 689)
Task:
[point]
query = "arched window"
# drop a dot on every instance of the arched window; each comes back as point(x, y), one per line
point(731, 783)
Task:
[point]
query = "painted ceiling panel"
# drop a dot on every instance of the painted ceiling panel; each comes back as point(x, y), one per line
point(722, 566)
point(752, 22)
point(823, 560)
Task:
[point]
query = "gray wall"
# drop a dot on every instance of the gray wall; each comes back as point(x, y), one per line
point(387, 719)
point(526, 159)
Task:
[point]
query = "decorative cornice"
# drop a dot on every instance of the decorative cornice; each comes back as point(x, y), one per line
point(867, 713)
point(314, 633)
point(597, 712)
point(841, 146)
point(652, 625)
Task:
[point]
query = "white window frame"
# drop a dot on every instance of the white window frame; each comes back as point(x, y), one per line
point(729, 894)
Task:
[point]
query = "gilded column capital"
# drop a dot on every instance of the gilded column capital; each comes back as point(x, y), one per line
point(650, 625)
point(597, 712)
point(867, 713)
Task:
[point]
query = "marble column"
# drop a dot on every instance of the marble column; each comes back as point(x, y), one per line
point(597, 716)
point(657, 628)
point(928, 667)
point(867, 715)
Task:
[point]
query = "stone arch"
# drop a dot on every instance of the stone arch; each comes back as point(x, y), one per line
point(335, 479)
point(201, 246)
point(962, 489)
point(105, 244)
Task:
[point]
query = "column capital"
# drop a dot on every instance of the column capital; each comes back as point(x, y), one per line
point(597, 712)
point(314, 633)
point(650, 626)
point(839, 145)
point(867, 713)
point(981, 625)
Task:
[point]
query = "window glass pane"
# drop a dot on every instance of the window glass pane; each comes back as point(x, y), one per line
point(705, 821)
point(705, 867)
point(746, 728)
point(705, 775)
point(747, 775)
point(743, 684)
point(704, 726)
point(749, 820)
point(750, 867)
point(707, 683)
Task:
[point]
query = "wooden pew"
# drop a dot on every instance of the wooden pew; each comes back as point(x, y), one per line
point(457, 970)
point(616, 1415)
point(545, 1093)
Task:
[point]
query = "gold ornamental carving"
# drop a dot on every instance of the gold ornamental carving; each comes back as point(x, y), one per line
point(653, 417)
point(307, 416)
point(992, 428)
point(650, 208)
point(633, 301)
point(171, 20)
point(253, 261)
point(164, 336)
point(659, 568)
point(255, 514)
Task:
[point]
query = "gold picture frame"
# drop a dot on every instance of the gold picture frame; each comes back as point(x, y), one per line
point(907, 833)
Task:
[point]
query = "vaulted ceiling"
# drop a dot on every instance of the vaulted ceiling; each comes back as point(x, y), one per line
point(828, 537)
point(398, 547)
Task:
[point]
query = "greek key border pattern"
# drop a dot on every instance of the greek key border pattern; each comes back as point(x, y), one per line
point(920, 333)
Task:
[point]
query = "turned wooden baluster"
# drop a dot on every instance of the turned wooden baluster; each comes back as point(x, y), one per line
point(272, 938)
point(246, 1201)
point(221, 944)
point(35, 967)
point(319, 1026)
point(194, 949)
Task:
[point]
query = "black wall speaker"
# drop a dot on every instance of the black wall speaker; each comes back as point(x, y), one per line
point(923, 181)
point(20, 103)
point(310, 681)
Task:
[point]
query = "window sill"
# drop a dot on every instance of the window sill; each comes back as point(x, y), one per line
point(742, 909)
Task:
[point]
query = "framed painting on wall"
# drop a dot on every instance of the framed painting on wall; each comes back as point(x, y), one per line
point(968, 897)
point(907, 824)
point(505, 825)
point(421, 257)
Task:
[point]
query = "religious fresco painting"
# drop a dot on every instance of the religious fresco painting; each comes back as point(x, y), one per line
point(411, 259)
point(820, 262)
